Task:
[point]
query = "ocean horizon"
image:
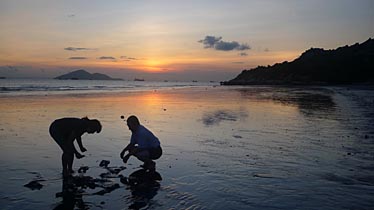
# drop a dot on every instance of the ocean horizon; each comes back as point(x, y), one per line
point(29, 86)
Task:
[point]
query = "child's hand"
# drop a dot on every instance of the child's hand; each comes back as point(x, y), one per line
point(126, 158)
point(78, 155)
point(83, 149)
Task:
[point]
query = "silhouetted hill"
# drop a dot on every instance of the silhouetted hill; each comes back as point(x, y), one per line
point(84, 75)
point(344, 65)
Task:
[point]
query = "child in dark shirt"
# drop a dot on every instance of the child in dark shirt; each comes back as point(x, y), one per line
point(64, 131)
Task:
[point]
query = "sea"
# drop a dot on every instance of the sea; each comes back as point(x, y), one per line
point(52, 86)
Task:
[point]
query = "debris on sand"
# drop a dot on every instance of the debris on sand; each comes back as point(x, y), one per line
point(83, 169)
point(116, 170)
point(104, 163)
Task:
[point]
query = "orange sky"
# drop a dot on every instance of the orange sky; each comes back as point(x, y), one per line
point(141, 38)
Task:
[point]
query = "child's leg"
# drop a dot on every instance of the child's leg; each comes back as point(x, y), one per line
point(60, 141)
point(70, 162)
point(65, 168)
point(69, 151)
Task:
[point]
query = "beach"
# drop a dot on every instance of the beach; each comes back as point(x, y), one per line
point(258, 147)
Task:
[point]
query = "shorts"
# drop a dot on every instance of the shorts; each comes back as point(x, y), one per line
point(152, 153)
point(155, 153)
point(59, 139)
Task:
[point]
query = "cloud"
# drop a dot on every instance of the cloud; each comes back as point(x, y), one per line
point(126, 58)
point(218, 44)
point(77, 58)
point(77, 48)
point(238, 62)
point(243, 54)
point(210, 41)
point(243, 47)
point(106, 58)
point(71, 15)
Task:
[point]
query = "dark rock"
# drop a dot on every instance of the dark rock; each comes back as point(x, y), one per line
point(109, 175)
point(34, 185)
point(124, 180)
point(143, 176)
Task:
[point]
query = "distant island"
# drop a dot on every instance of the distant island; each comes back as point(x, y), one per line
point(344, 65)
point(84, 75)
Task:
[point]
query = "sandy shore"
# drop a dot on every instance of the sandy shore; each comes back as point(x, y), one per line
point(224, 148)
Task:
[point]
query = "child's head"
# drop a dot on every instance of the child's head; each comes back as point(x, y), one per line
point(133, 123)
point(92, 125)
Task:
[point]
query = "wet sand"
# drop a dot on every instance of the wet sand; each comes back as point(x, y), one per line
point(224, 148)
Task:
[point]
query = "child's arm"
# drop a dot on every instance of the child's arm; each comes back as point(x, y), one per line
point(71, 139)
point(79, 141)
point(127, 148)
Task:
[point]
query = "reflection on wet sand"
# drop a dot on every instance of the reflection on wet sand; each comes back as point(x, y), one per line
point(143, 186)
point(307, 100)
point(72, 198)
point(215, 117)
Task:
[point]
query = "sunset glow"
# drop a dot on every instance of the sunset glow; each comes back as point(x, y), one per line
point(144, 38)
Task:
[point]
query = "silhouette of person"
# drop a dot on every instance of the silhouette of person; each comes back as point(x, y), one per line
point(64, 131)
point(144, 145)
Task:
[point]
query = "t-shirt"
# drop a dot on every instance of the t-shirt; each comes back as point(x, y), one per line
point(144, 138)
point(65, 126)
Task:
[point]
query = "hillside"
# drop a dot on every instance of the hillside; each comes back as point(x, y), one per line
point(84, 75)
point(344, 65)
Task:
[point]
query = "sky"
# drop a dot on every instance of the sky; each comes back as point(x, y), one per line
point(171, 39)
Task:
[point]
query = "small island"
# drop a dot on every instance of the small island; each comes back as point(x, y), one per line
point(82, 74)
point(344, 65)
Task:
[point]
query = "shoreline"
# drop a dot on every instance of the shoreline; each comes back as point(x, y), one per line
point(98, 93)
